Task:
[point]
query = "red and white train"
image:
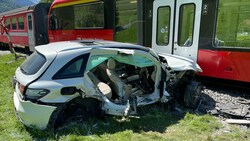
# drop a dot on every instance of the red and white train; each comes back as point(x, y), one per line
point(214, 33)
point(26, 26)
point(63, 20)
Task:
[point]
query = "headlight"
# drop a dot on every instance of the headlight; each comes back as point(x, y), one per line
point(36, 93)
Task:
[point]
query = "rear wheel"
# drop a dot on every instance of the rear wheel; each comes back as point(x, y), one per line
point(78, 110)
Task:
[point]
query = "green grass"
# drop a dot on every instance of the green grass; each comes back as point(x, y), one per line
point(155, 123)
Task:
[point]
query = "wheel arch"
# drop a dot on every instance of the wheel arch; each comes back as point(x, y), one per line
point(91, 105)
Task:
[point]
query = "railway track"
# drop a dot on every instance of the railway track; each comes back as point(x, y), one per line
point(225, 101)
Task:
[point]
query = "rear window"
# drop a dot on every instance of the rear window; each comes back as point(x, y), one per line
point(33, 64)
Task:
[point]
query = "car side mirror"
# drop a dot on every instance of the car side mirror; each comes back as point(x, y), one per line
point(68, 90)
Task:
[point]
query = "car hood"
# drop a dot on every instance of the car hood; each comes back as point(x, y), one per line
point(179, 63)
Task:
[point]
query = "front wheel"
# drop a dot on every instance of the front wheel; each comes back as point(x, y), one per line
point(192, 94)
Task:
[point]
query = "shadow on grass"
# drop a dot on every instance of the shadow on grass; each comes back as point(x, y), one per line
point(151, 118)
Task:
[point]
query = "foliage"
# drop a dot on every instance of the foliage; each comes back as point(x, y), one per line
point(6, 5)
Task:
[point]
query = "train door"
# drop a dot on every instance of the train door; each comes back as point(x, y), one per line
point(31, 32)
point(176, 26)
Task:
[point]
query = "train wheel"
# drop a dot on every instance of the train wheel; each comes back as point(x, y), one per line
point(192, 94)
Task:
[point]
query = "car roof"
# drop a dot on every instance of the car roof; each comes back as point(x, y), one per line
point(56, 47)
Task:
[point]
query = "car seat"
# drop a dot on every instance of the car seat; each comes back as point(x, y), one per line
point(120, 88)
point(103, 87)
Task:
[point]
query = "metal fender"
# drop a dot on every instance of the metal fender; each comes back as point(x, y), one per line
point(178, 63)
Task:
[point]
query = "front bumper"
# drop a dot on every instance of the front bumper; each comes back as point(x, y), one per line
point(32, 114)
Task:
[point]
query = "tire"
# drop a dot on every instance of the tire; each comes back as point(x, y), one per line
point(78, 110)
point(192, 94)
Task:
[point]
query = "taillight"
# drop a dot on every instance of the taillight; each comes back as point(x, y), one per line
point(33, 94)
point(21, 88)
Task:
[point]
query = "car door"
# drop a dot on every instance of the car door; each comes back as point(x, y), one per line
point(31, 34)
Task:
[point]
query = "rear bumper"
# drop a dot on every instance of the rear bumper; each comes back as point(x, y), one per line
point(32, 114)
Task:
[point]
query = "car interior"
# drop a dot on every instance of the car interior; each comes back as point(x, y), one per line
point(119, 81)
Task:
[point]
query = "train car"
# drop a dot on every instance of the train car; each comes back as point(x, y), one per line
point(27, 26)
point(81, 19)
point(214, 33)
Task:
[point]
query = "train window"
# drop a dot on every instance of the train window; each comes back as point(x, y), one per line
point(13, 24)
point(20, 23)
point(89, 15)
point(82, 16)
point(126, 21)
point(163, 25)
point(233, 24)
point(30, 22)
point(54, 21)
point(8, 23)
point(186, 25)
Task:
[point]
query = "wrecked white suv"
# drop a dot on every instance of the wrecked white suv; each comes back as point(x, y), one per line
point(66, 80)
